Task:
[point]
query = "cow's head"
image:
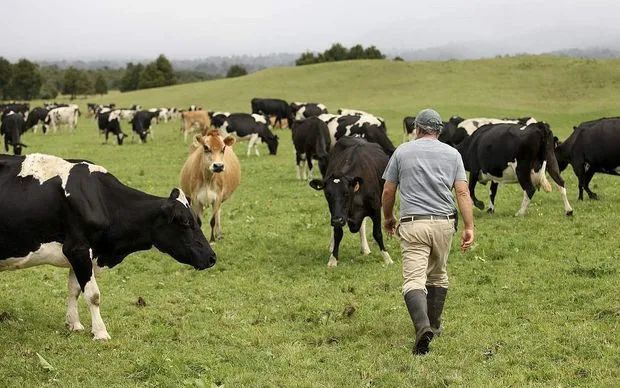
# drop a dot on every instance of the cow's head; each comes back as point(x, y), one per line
point(561, 153)
point(339, 192)
point(376, 134)
point(271, 140)
point(176, 231)
point(213, 146)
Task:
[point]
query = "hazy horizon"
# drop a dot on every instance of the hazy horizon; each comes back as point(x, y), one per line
point(196, 29)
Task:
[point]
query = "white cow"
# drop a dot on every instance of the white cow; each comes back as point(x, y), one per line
point(66, 115)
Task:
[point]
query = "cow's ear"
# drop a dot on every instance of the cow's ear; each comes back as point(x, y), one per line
point(229, 140)
point(356, 183)
point(174, 194)
point(317, 184)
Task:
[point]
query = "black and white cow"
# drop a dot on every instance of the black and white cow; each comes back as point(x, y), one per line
point(218, 118)
point(278, 108)
point(16, 107)
point(594, 146)
point(369, 127)
point(303, 110)
point(64, 115)
point(76, 215)
point(512, 153)
point(109, 122)
point(353, 186)
point(251, 127)
point(12, 127)
point(312, 141)
point(471, 125)
point(141, 124)
point(36, 116)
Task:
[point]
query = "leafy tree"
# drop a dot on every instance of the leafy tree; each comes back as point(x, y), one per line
point(373, 53)
point(356, 52)
point(48, 91)
point(336, 53)
point(5, 77)
point(165, 67)
point(398, 59)
point(71, 82)
point(236, 71)
point(101, 85)
point(26, 81)
point(131, 78)
point(306, 58)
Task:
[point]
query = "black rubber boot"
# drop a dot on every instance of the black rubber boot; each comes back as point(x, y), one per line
point(416, 304)
point(435, 300)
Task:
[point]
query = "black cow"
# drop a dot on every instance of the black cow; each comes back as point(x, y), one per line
point(368, 127)
point(353, 188)
point(251, 127)
point(36, 116)
point(303, 110)
point(74, 214)
point(594, 146)
point(109, 122)
point(12, 127)
point(22, 108)
point(312, 141)
point(272, 107)
point(141, 123)
point(511, 153)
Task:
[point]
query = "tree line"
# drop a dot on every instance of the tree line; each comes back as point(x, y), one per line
point(338, 52)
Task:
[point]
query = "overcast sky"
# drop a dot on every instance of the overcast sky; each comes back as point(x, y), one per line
point(185, 29)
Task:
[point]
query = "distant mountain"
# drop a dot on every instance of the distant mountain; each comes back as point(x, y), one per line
point(594, 52)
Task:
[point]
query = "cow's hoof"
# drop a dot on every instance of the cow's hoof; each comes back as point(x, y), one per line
point(75, 326)
point(366, 251)
point(491, 210)
point(594, 197)
point(333, 262)
point(479, 205)
point(569, 213)
point(386, 258)
point(102, 336)
point(519, 214)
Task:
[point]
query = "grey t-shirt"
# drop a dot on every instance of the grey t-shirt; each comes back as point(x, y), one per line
point(425, 171)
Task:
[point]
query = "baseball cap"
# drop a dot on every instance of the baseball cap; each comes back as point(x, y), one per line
point(429, 121)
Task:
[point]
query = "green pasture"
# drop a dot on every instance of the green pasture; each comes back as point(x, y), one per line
point(535, 302)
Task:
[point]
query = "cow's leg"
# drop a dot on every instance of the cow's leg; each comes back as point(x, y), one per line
point(554, 172)
point(586, 183)
point(257, 141)
point(333, 259)
point(378, 236)
point(298, 164)
point(251, 144)
point(80, 258)
point(216, 229)
point(331, 241)
point(492, 195)
point(73, 317)
point(309, 164)
point(473, 179)
point(364, 248)
point(524, 178)
point(578, 169)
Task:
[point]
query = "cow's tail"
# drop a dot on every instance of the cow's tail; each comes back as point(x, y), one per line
point(544, 183)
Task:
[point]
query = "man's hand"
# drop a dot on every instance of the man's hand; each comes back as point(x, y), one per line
point(389, 224)
point(467, 238)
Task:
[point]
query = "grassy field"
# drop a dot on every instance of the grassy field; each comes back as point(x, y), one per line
point(535, 302)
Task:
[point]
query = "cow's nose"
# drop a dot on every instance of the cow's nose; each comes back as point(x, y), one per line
point(217, 167)
point(337, 221)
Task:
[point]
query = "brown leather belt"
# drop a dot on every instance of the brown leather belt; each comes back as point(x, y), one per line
point(426, 217)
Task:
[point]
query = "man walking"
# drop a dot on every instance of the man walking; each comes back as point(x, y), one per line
point(425, 171)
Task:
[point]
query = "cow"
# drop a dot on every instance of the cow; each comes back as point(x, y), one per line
point(12, 127)
point(251, 127)
point(353, 186)
point(193, 108)
point(512, 153)
point(65, 115)
point(280, 109)
point(16, 107)
point(174, 113)
point(368, 127)
point(76, 215)
point(218, 118)
point(470, 125)
point(346, 111)
point(210, 175)
point(141, 124)
point(109, 122)
point(126, 114)
point(194, 120)
point(312, 141)
point(303, 110)
point(36, 116)
point(162, 114)
point(594, 146)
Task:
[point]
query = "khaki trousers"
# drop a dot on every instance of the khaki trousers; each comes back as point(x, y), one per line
point(425, 245)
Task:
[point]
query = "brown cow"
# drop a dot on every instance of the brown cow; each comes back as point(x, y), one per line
point(194, 120)
point(210, 175)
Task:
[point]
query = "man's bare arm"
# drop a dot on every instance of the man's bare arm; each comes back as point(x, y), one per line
point(466, 208)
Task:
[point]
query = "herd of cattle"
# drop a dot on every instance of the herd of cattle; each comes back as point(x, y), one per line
point(86, 219)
